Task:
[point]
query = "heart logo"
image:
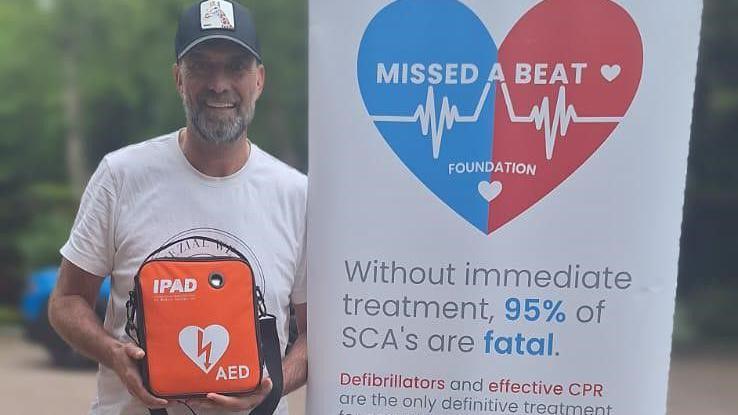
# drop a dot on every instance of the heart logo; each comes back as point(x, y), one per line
point(610, 72)
point(204, 347)
point(489, 191)
point(491, 132)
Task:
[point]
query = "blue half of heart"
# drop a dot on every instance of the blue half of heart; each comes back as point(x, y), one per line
point(423, 70)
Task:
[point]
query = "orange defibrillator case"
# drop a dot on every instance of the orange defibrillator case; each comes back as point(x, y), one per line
point(203, 324)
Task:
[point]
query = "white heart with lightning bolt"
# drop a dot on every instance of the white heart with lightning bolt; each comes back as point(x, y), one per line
point(205, 346)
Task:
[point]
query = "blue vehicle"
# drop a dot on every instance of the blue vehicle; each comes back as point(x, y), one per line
point(34, 309)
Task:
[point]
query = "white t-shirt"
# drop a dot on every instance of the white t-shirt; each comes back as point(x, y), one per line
point(147, 194)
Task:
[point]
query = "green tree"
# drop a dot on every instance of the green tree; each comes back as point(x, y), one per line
point(30, 116)
point(710, 227)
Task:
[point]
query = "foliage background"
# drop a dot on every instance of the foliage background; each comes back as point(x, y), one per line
point(79, 79)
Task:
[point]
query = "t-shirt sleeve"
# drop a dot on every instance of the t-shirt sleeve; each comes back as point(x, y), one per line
point(91, 244)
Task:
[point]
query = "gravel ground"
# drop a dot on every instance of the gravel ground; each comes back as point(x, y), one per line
point(30, 385)
point(701, 383)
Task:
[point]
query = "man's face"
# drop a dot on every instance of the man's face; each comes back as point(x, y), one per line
point(219, 83)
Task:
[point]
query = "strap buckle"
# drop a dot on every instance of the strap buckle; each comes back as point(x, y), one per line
point(260, 303)
point(131, 328)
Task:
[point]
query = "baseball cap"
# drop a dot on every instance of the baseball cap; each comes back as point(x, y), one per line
point(216, 19)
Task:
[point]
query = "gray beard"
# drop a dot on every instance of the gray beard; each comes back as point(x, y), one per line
point(219, 131)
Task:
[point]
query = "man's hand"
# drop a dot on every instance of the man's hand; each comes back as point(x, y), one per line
point(122, 360)
point(236, 403)
point(71, 313)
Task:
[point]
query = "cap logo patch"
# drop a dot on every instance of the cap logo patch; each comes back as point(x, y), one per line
point(216, 14)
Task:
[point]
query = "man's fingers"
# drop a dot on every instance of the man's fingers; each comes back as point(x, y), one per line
point(148, 399)
point(236, 403)
point(136, 388)
point(126, 369)
point(264, 387)
point(134, 352)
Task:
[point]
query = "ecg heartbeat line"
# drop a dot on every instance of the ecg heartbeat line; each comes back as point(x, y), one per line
point(429, 123)
point(554, 125)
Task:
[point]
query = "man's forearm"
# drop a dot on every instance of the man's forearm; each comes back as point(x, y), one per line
point(294, 367)
point(76, 322)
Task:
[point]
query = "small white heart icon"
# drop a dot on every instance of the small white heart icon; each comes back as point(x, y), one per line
point(489, 191)
point(610, 72)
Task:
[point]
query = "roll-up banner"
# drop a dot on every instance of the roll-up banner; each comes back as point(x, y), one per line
point(495, 203)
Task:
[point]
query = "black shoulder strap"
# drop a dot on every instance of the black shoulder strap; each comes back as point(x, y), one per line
point(273, 359)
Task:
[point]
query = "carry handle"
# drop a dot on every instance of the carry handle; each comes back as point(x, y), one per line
point(203, 238)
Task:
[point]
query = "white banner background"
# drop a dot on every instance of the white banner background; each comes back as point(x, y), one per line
point(621, 209)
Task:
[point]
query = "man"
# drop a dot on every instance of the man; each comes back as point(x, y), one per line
point(207, 179)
